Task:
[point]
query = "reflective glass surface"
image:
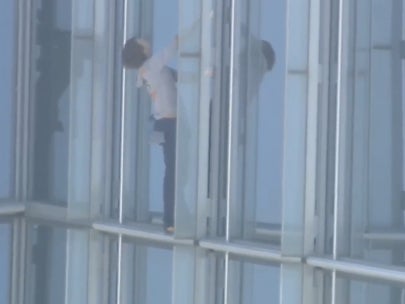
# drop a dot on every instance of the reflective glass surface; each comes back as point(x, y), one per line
point(5, 262)
point(146, 274)
point(7, 95)
point(58, 265)
point(151, 131)
point(46, 277)
point(357, 290)
point(71, 84)
point(253, 283)
point(51, 79)
point(165, 28)
point(146, 154)
point(373, 209)
point(259, 76)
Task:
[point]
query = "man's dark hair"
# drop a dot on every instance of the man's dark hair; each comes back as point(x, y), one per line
point(269, 54)
point(133, 54)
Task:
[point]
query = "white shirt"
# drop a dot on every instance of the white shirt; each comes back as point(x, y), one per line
point(160, 82)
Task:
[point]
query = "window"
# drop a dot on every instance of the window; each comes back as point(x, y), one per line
point(146, 274)
point(72, 85)
point(59, 265)
point(51, 81)
point(7, 97)
point(251, 282)
point(359, 290)
point(258, 99)
point(5, 262)
point(372, 128)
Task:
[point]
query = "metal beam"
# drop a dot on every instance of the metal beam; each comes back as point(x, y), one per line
point(11, 208)
point(139, 231)
point(248, 250)
point(366, 270)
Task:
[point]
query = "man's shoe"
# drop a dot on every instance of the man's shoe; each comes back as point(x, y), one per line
point(169, 229)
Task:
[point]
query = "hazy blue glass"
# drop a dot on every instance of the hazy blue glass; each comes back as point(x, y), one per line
point(46, 271)
point(5, 263)
point(51, 82)
point(58, 265)
point(354, 290)
point(254, 283)
point(144, 167)
point(7, 95)
point(146, 274)
point(270, 117)
point(188, 88)
point(159, 276)
point(260, 98)
point(374, 118)
point(295, 133)
point(165, 28)
point(71, 85)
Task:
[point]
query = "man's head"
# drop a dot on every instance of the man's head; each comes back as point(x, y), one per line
point(269, 54)
point(135, 53)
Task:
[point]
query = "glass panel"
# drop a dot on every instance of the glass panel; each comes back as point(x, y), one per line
point(217, 38)
point(250, 282)
point(300, 108)
point(46, 277)
point(7, 95)
point(373, 214)
point(51, 51)
point(72, 101)
point(150, 114)
point(146, 274)
point(110, 262)
point(59, 266)
point(103, 269)
point(192, 126)
point(260, 73)
point(134, 113)
point(162, 155)
point(361, 291)
point(149, 145)
point(322, 286)
point(5, 263)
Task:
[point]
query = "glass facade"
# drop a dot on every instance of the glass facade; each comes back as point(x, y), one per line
point(5, 261)
point(8, 92)
point(372, 75)
point(255, 155)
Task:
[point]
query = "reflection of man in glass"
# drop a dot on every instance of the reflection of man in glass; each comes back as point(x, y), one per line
point(261, 62)
point(259, 57)
point(159, 80)
point(256, 58)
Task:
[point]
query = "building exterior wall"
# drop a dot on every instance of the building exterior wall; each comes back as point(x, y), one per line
point(289, 183)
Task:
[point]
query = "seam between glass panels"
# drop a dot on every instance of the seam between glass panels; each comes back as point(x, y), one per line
point(337, 146)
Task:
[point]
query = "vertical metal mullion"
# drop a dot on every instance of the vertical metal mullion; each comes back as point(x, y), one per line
point(320, 285)
point(230, 144)
point(21, 145)
point(17, 261)
point(312, 151)
point(14, 264)
point(23, 24)
point(22, 260)
point(337, 146)
point(122, 126)
point(121, 170)
point(110, 93)
point(21, 30)
point(231, 121)
point(215, 182)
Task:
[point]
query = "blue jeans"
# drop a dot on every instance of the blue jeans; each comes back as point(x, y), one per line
point(168, 127)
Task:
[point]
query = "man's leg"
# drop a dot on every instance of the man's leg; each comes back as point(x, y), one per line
point(169, 152)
